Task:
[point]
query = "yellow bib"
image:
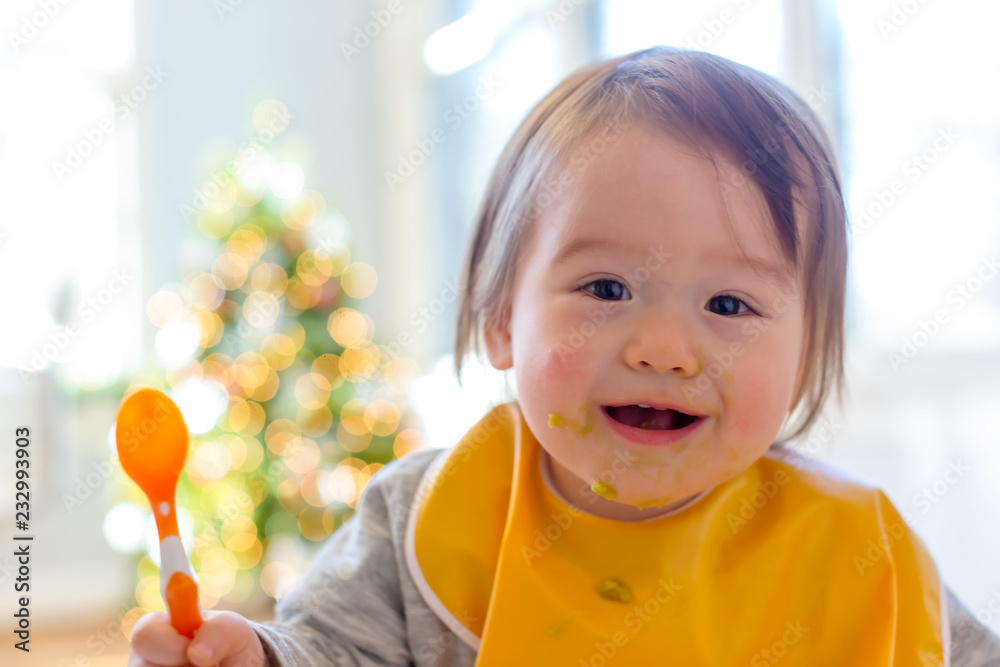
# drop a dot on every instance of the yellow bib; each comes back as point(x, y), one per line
point(789, 562)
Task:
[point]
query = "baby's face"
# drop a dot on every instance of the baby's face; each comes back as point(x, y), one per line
point(655, 307)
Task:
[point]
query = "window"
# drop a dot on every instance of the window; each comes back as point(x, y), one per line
point(67, 173)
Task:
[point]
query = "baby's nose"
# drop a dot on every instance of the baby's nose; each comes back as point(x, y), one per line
point(653, 350)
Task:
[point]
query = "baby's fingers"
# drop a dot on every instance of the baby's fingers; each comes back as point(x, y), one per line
point(226, 638)
point(155, 643)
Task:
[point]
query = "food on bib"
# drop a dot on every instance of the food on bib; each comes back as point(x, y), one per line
point(614, 589)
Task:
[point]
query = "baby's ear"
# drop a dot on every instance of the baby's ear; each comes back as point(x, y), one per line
point(496, 332)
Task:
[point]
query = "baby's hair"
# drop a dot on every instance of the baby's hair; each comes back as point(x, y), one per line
point(710, 103)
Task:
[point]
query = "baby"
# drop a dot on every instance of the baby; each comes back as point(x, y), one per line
point(633, 504)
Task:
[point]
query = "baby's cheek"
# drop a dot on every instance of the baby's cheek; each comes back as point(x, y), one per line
point(750, 400)
point(542, 381)
point(562, 366)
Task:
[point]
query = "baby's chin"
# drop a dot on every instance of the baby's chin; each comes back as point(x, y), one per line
point(651, 497)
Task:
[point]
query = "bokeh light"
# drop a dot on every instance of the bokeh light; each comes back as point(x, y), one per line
point(177, 341)
point(407, 441)
point(312, 391)
point(201, 403)
point(349, 327)
point(286, 179)
point(359, 280)
point(214, 225)
point(123, 527)
point(303, 210)
point(328, 365)
point(277, 579)
point(212, 460)
point(359, 363)
point(164, 306)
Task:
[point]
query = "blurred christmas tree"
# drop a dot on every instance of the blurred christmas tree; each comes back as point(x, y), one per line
point(291, 406)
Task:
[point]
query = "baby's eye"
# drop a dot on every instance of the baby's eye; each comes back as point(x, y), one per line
point(606, 289)
point(731, 305)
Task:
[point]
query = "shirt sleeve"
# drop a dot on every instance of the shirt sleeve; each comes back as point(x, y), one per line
point(972, 643)
point(347, 610)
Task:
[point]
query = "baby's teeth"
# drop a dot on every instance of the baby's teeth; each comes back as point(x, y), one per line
point(641, 405)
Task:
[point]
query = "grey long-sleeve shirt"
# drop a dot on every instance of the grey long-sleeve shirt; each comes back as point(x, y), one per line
point(357, 605)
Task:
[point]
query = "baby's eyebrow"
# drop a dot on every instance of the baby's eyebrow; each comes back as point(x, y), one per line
point(589, 244)
point(764, 267)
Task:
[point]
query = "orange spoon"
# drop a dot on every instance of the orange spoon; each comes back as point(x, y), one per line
point(152, 445)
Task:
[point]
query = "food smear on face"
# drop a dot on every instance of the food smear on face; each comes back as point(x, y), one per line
point(581, 428)
point(614, 589)
point(658, 502)
point(602, 488)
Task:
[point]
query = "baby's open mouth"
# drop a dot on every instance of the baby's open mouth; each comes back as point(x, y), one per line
point(641, 416)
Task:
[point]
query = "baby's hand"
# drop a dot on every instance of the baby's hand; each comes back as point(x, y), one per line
point(225, 638)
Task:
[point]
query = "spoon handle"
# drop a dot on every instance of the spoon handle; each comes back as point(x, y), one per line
point(182, 600)
point(179, 587)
